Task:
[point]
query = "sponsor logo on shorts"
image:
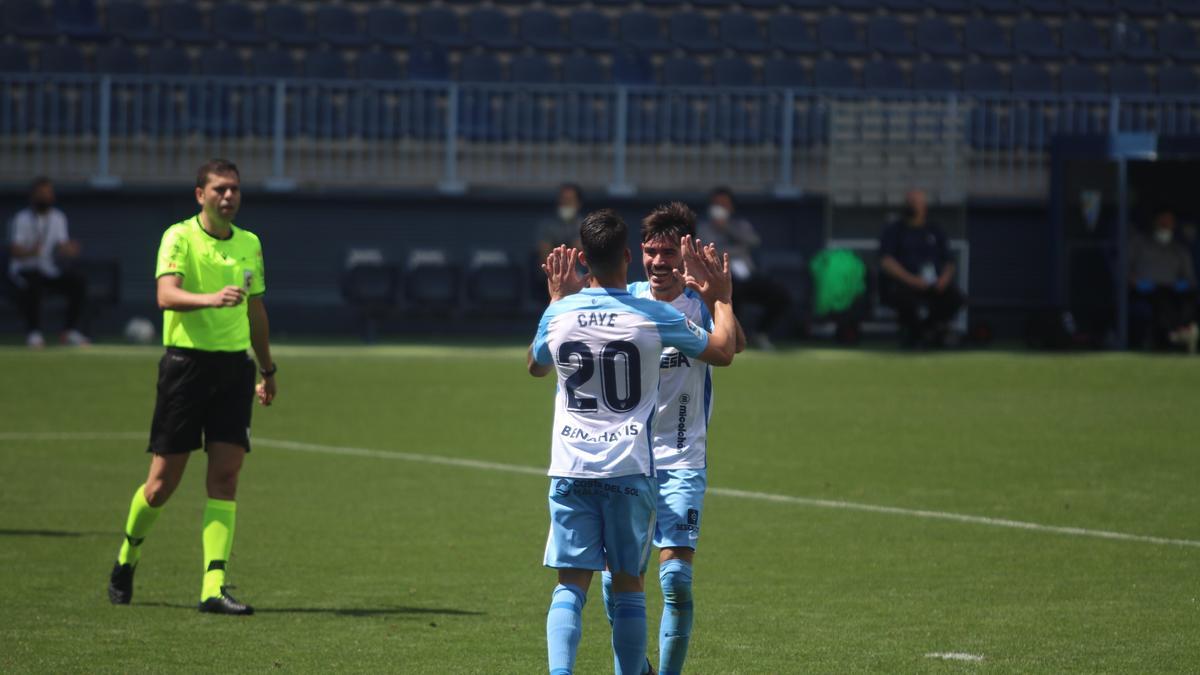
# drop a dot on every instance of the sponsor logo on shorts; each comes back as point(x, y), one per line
point(586, 487)
point(563, 487)
point(692, 525)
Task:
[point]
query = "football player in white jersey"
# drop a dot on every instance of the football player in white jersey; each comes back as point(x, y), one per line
point(606, 346)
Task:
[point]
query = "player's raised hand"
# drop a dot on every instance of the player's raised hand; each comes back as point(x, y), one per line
point(706, 271)
point(562, 278)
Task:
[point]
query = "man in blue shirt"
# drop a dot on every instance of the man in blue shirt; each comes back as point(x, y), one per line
point(917, 275)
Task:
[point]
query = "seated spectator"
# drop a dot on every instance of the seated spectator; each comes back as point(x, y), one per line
point(1163, 282)
point(562, 229)
point(41, 256)
point(738, 237)
point(917, 275)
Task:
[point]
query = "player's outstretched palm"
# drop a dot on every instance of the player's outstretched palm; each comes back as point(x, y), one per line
point(706, 271)
point(562, 277)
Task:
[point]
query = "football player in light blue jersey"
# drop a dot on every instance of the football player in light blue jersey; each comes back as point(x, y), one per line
point(605, 346)
point(680, 431)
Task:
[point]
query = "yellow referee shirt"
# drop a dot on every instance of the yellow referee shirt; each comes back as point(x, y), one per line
point(207, 265)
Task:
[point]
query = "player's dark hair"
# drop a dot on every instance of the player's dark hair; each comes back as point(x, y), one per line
point(221, 167)
point(673, 221)
point(38, 182)
point(605, 237)
point(723, 191)
point(573, 187)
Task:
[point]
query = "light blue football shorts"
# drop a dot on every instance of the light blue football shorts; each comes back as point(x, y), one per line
point(596, 522)
point(680, 504)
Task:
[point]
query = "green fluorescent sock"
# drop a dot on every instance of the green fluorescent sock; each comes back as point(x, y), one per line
point(141, 518)
point(219, 518)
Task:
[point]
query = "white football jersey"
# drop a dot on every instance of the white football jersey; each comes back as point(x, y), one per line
point(684, 393)
point(606, 346)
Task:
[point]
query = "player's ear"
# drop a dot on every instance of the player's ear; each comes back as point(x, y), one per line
point(583, 260)
point(200, 196)
point(628, 256)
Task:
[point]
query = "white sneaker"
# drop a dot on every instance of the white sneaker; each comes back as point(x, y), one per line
point(35, 340)
point(74, 338)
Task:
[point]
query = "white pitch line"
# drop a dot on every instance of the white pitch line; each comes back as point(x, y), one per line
point(954, 656)
point(724, 492)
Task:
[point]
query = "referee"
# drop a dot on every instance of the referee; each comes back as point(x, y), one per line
point(210, 288)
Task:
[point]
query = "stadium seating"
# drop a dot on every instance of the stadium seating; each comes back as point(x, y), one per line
point(1129, 80)
point(543, 30)
point(28, 19)
point(592, 30)
point(77, 19)
point(168, 61)
point(840, 35)
point(1081, 79)
point(13, 59)
point(236, 23)
point(741, 32)
point(378, 65)
point(984, 78)
point(1177, 81)
point(887, 36)
point(937, 37)
point(884, 76)
point(493, 280)
point(389, 26)
point(934, 76)
point(1035, 39)
point(1033, 79)
point(287, 25)
point(1131, 41)
point(583, 69)
point(1082, 40)
point(785, 73)
point(492, 28)
point(338, 26)
point(117, 60)
point(182, 21)
point(643, 31)
point(986, 38)
point(793, 34)
point(1178, 40)
point(441, 26)
point(692, 32)
point(834, 74)
point(428, 63)
point(431, 279)
point(63, 58)
point(130, 21)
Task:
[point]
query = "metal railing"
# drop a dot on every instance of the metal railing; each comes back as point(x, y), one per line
point(853, 145)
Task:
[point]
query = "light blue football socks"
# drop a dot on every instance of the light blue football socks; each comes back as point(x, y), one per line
point(629, 633)
point(606, 589)
point(676, 628)
point(564, 626)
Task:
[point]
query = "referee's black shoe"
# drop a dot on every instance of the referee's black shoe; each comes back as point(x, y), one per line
point(225, 604)
point(120, 584)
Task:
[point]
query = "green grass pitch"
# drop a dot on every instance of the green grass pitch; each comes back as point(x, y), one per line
point(377, 562)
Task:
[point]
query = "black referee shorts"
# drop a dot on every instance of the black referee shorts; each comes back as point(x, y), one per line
point(203, 397)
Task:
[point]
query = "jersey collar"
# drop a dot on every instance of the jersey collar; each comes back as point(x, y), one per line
point(200, 226)
point(604, 291)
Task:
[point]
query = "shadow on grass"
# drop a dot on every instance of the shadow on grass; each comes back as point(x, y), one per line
point(340, 611)
point(50, 533)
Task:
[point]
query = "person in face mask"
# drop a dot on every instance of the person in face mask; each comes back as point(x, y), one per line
point(561, 229)
point(738, 237)
point(1162, 279)
point(917, 275)
point(41, 252)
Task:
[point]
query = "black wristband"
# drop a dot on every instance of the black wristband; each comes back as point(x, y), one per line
point(269, 373)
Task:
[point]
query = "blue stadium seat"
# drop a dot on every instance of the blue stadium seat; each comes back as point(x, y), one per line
point(532, 69)
point(1187, 8)
point(428, 63)
point(389, 26)
point(839, 34)
point(483, 67)
point(693, 32)
point(632, 67)
point(491, 28)
point(1177, 40)
point(28, 19)
point(326, 65)
point(741, 32)
point(613, 3)
point(1177, 81)
point(378, 65)
point(1151, 8)
point(643, 31)
point(338, 26)
point(563, 3)
point(287, 25)
point(181, 21)
point(592, 30)
point(1030, 78)
point(761, 4)
point(513, 2)
point(272, 63)
point(168, 61)
point(1035, 39)
point(1080, 79)
point(77, 19)
point(792, 34)
point(904, 5)
point(236, 23)
point(130, 21)
point(65, 58)
point(934, 76)
point(884, 76)
point(998, 6)
point(986, 38)
point(785, 73)
point(984, 78)
point(950, 6)
point(809, 4)
point(936, 36)
point(712, 4)
point(584, 69)
point(733, 71)
point(662, 3)
point(683, 72)
point(1127, 80)
point(217, 62)
point(1094, 7)
point(834, 74)
point(1081, 39)
point(1047, 7)
point(543, 30)
point(887, 36)
point(1131, 41)
point(13, 59)
point(857, 5)
point(441, 26)
point(117, 60)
